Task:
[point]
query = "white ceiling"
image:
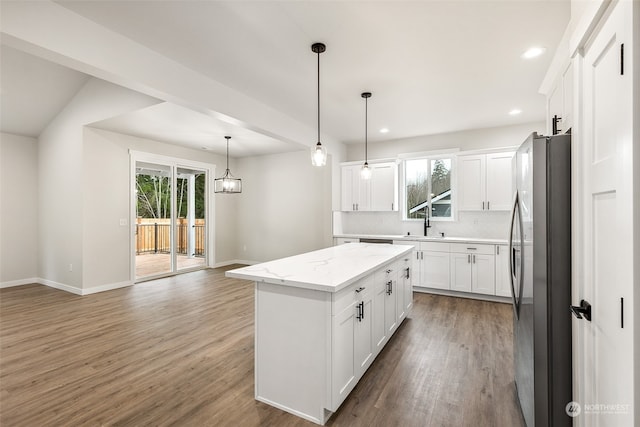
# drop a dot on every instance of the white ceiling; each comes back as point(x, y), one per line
point(178, 125)
point(33, 91)
point(433, 66)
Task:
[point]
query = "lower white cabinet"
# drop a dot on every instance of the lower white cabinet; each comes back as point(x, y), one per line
point(473, 268)
point(404, 296)
point(352, 344)
point(436, 269)
point(503, 284)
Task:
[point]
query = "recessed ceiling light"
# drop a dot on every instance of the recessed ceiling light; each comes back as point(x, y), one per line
point(533, 52)
point(515, 112)
point(384, 130)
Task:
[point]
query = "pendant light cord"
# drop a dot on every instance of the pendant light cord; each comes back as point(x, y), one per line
point(228, 138)
point(366, 137)
point(318, 95)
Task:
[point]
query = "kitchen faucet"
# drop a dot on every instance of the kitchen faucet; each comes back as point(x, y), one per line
point(427, 223)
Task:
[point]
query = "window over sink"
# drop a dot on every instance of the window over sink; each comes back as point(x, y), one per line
point(428, 188)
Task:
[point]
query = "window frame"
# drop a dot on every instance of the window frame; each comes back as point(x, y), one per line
point(442, 156)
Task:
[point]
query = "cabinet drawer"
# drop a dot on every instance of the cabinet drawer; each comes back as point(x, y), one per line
point(349, 296)
point(435, 246)
point(472, 248)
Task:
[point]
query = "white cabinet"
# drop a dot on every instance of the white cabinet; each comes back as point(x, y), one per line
point(485, 182)
point(404, 293)
point(473, 268)
point(356, 192)
point(379, 298)
point(379, 193)
point(429, 264)
point(503, 284)
point(560, 102)
point(435, 267)
point(384, 185)
point(352, 346)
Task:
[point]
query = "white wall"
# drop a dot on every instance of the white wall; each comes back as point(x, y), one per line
point(18, 209)
point(284, 208)
point(61, 178)
point(506, 136)
point(467, 224)
point(107, 189)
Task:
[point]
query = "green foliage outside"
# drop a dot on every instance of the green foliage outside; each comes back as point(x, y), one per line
point(154, 192)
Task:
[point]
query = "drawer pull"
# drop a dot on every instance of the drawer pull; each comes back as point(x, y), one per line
point(360, 289)
point(472, 249)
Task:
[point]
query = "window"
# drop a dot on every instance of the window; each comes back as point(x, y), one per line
point(428, 184)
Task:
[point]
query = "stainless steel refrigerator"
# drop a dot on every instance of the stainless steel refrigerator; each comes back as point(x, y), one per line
point(540, 271)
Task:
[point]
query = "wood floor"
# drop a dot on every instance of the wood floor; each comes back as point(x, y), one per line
point(179, 351)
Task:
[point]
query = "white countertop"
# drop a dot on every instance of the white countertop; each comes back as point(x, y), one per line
point(415, 237)
point(329, 270)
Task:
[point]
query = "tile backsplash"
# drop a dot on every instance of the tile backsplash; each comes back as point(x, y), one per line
point(489, 225)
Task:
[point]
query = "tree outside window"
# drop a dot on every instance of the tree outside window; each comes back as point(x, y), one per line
point(428, 183)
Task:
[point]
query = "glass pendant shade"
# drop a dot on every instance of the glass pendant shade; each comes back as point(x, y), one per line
point(365, 172)
point(318, 155)
point(227, 183)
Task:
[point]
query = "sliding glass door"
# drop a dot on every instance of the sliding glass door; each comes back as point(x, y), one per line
point(171, 233)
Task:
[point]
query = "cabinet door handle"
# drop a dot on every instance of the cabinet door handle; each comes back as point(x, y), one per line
point(474, 259)
point(468, 259)
point(488, 205)
point(407, 270)
point(391, 206)
point(361, 311)
point(389, 287)
point(482, 205)
point(497, 250)
point(417, 254)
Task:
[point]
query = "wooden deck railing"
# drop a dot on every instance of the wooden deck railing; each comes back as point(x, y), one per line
point(154, 236)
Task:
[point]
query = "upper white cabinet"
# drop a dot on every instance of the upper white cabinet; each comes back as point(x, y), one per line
point(356, 192)
point(485, 182)
point(379, 193)
point(560, 102)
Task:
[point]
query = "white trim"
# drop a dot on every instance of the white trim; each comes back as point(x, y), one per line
point(429, 154)
point(174, 163)
point(370, 161)
point(60, 286)
point(104, 288)
point(512, 148)
point(19, 282)
point(481, 297)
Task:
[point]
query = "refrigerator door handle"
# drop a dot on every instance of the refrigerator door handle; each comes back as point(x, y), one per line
point(512, 257)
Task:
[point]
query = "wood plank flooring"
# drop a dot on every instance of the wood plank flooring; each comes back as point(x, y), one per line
point(179, 352)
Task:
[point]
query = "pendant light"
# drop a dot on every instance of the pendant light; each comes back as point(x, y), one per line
point(227, 183)
point(365, 172)
point(318, 153)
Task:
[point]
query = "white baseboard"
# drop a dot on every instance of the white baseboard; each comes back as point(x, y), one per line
point(12, 283)
point(448, 293)
point(234, 261)
point(60, 286)
point(107, 287)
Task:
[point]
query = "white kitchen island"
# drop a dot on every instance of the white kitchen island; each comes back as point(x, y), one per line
point(321, 318)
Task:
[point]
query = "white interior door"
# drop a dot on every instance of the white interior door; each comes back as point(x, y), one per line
point(604, 357)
